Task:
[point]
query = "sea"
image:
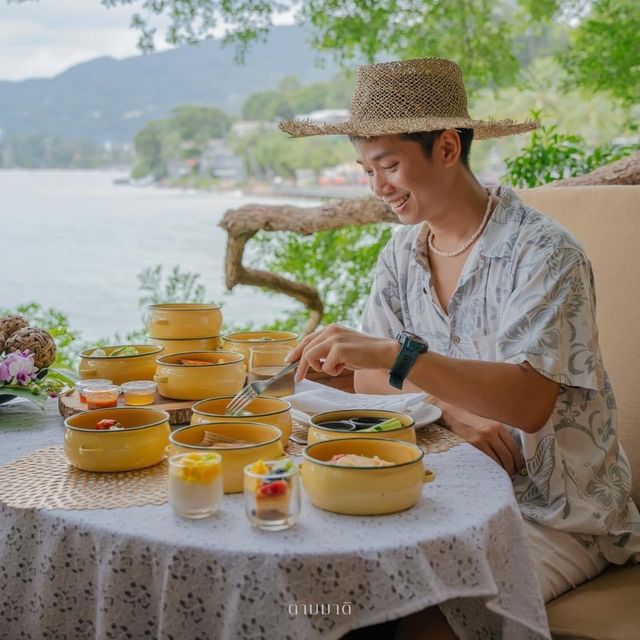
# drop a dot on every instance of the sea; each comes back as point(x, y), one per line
point(75, 241)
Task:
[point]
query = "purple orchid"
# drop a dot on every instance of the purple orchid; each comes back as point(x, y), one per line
point(18, 367)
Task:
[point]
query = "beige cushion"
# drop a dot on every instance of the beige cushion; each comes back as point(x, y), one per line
point(606, 221)
point(605, 608)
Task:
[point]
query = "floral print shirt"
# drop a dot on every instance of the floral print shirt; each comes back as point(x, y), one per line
point(526, 293)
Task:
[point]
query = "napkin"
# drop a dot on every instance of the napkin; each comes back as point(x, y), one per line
point(311, 398)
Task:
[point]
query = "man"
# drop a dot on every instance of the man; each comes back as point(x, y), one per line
point(487, 305)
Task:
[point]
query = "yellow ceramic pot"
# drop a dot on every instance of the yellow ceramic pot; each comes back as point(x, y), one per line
point(224, 376)
point(184, 320)
point(120, 369)
point(142, 442)
point(244, 340)
point(318, 434)
point(265, 439)
point(180, 345)
point(263, 409)
point(364, 491)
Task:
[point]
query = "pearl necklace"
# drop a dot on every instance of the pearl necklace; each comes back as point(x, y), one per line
point(468, 242)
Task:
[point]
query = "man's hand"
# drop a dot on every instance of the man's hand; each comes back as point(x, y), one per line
point(491, 437)
point(337, 348)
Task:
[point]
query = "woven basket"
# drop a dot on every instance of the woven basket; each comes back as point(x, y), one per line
point(37, 341)
point(9, 325)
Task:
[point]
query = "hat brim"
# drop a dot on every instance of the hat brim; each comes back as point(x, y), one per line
point(483, 129)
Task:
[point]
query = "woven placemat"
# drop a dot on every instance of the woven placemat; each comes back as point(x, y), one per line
point(43, 479)
point(432, 438)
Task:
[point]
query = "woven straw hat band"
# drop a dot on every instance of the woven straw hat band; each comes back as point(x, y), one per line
point(406, 96)
point(431, 87)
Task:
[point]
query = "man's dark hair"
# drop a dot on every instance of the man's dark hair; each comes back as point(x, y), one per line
point(426, 140)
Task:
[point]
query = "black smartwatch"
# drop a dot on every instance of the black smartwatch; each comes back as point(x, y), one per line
point(411, 346)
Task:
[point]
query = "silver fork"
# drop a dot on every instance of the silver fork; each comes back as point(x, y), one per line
point(254, 389)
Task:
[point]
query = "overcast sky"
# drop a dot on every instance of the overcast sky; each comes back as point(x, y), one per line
point(41, 39)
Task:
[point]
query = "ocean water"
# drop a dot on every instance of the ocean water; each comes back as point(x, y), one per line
point(74, 241)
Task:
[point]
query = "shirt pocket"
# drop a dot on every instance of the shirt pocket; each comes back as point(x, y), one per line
point(483, 346)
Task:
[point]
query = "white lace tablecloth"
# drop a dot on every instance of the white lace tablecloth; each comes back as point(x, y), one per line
point(144, 573)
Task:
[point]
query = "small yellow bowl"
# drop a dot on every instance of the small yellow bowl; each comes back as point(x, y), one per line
point(364, 491)
point(244, 340)
point(142, 442)
point(317, 433)
point(120, 369)
point(265, 439)
point(223, 376)
point(265, 410)
point(180, 345)
point(184, 320)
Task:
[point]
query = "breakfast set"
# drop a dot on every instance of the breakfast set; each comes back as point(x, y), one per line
point(119, 418)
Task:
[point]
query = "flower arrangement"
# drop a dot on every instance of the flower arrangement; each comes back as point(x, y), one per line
point(25, 364)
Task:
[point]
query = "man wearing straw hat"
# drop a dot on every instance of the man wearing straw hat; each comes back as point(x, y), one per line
point(488, 305)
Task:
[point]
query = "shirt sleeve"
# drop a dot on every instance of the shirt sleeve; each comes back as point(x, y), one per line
point(549, 319)
point(382, 314)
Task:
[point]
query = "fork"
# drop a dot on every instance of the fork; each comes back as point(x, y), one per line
point(254, 389)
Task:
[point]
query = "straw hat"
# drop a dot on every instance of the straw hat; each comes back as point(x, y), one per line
point(407, 96)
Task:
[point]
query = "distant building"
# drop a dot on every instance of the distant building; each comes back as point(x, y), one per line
point(245, 127)
point(219, 160)
point(330, 116)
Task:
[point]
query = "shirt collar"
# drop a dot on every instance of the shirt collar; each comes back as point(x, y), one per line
point(494, 241)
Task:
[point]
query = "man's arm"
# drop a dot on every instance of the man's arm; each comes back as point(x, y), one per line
point(377, 381)
point(513, 394)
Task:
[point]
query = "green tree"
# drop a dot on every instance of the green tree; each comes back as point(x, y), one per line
point(605, 55)
point(486, 37)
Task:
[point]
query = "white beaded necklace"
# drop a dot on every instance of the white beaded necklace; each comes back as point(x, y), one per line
point(468, 242)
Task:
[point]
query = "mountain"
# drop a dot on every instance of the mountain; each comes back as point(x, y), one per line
point(110, 100)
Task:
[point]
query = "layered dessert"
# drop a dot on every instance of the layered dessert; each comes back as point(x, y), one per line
point(195, 484)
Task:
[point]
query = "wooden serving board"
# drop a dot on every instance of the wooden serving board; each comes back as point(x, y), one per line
point(179, 410)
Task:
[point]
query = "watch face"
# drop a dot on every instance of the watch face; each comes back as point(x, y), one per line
point(412, 336)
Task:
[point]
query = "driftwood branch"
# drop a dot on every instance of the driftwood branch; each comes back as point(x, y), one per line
point(243, 223)
point(625, 171)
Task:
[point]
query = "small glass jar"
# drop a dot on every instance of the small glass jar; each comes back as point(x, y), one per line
point(272, 494)
point(102, 396)
point(195, 484)
point(81, 385)
point(139, 392)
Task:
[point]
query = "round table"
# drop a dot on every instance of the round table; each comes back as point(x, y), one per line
point(143, 572)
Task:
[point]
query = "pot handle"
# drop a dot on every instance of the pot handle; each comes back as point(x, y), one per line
point(161, 320)
point(157, 378)
point(87, 450)
point(88, 373)
point(429, 476)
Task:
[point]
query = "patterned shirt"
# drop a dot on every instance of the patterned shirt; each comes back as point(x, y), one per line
point(526, 293)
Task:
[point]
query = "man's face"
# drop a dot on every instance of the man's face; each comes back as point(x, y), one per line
point(399, 172)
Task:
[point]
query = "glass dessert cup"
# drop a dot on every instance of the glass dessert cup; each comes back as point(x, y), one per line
point(195, 484)
point(272, 494)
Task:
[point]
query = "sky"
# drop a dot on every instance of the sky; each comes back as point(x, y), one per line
point(39, 39)
point(42, 38)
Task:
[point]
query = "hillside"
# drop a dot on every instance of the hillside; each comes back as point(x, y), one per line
point(110, 100)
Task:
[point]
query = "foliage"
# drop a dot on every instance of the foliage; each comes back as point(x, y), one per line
point(182, 136)
point(267, 152)
point(339, 263)
point(551, 155)
point(39, 150)
point(605, 55)
point(291, 98)
point(178, 286)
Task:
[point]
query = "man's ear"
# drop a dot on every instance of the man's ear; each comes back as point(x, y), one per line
point(448, 147)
